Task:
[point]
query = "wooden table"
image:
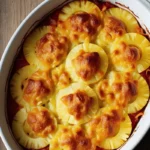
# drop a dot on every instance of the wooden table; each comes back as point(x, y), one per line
point(12, 12)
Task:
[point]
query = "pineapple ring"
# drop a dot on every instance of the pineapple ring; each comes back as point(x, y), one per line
point(30, 47)
point(62, 110)
point(76, 21)
point(142, 97)
point(114, 141)
point(79, 6)
point(87, 47)
point(126, 17)
point(136, 40)
point(20, 131)
point(17, 81)
point(39, 88)
point(121, 137)
point(129, 21)
point(136, 103)
point(75, 134)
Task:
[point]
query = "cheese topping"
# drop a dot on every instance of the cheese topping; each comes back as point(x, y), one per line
point(78, 104)
point(87, 64)
point(40, 121)
point(80, 26)
point(77, 141)
point(105, 125)
point(84, 22)
point(61, 77)
point(118, 90)
point(126, 54)
point(113, 27)
point(72, 138)
point(37, 87)
point(52, 49)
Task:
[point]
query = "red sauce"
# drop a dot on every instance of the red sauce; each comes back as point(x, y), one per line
point(146, 75)
point(51, 19)
point(104, 5)
point(135, 117)
point(20, 62)
point(12, 107)
point(98, 148)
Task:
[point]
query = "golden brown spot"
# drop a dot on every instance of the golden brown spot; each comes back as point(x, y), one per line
point(104, 85)
point(52, 48)
point(117, 87)
point(132, 53)
point(114, 27)
point(78, 104)
point(87, 64)
point(129, 89)
point(127, 93)
point(84, 22)
point(36, 87)
point(78, 141)
point(123, 46)
point(111, 124)
point(106, 125)
point(40, 121)
point(111, 96)
point(64, 79)
point(116, 52)
point(102, 93)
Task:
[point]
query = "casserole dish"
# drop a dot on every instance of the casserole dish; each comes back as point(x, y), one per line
point(13, 47)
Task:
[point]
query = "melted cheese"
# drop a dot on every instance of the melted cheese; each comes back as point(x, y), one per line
point(113, 28)
point(117, 22)
point(71, 138)
point(87, 63)
point(37, 88)
point(80, 26)
point(109, 128)
point(41, 122)
point(105, 125)
point(44, 49)
point(76, 104)
point(33, 128)
point(123, 90)
point(80, 20)
point(128, 55)
point(60, 77)
point(52, 49)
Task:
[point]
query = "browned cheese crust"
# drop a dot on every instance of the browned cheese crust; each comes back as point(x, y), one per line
point(78, 104)
point(40, 122)
point(52, 48)
point(87, 64)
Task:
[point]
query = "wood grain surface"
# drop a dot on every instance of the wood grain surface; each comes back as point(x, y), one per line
point(12, 12)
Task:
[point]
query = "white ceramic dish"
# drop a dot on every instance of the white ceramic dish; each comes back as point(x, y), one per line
point(141, 8)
